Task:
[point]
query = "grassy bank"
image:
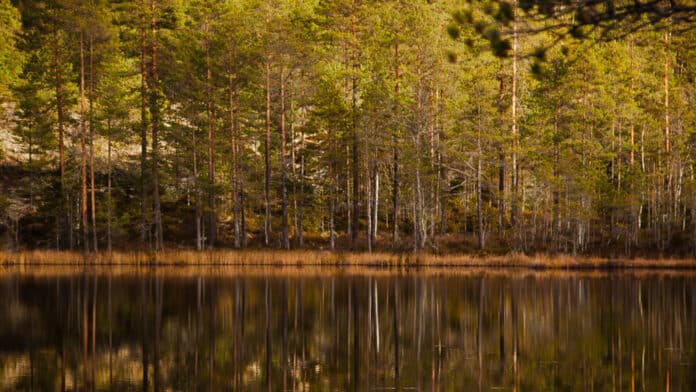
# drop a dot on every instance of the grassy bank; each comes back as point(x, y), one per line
point(326, 258)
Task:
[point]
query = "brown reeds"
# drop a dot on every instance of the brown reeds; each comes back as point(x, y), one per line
point(326, 258)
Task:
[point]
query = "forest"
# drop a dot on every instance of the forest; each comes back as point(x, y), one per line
point(438, 126)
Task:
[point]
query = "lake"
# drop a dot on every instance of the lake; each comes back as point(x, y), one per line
point(356, 329)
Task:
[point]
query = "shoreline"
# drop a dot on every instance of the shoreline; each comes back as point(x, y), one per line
point(321, 258)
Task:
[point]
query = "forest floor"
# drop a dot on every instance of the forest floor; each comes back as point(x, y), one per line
point(312, 258)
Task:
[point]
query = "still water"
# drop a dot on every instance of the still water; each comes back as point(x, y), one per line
point(341, 329)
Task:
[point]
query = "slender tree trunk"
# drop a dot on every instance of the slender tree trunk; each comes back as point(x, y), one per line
point(668, 148)
point(283, 166)
point(155, 117)
point(668, 192)
point(348, 193)
point(242, 197)
point(556, 223)
point(375, 199)
point(442, 169)
point(83, 148)
point(212, 217)
point(354, 113)
point(143, 128)
point(501, 171)
point(332, 197)
point(91, 145)
point(479, 202)
point(196, 191)
point(302, 175)
point(513, 108)
point(395, 147)
point(267, 158)
point(368, 199)
point(109, 205)
point(58, 87)
point(332, 213)
point(235, 163)
point(293, 172)
point(635, 215)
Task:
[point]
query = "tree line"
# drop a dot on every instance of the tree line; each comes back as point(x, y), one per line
point(351, 124)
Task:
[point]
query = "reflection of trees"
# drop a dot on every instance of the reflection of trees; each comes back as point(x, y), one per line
point(354, 333)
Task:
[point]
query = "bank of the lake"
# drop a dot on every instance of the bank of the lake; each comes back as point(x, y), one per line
point(328, 258)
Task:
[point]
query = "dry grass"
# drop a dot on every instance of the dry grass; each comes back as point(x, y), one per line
point(311, 272)
point(325, 258)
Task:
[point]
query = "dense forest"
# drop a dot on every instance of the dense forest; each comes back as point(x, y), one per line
point(442, 126)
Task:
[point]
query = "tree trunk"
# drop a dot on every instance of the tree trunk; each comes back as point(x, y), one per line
point(91, 145)
point(668, 148)
point(395, 169)
point(479, 202)
point(212, 217)
point(302, 177)
point(267, 158)
point(235, 163)
point(332, 186)
point(283, 168)
point(513, 108)
point(668, 192)
point(556, 224)
point(293, 172)
point(109, 205)
point(501, 192)
point(501, 167)
point(196, 192)
point(155, 116)
point(83, 149)
point(58, 86)
point(143, 129)
point(354, 114)
point(368, 199)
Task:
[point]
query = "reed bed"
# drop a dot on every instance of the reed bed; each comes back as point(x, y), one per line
point(306, 258)
point(312, 272)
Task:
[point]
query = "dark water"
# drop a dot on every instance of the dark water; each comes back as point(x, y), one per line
point(342, 330)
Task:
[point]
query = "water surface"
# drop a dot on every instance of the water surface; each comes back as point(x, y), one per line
point(345, 329)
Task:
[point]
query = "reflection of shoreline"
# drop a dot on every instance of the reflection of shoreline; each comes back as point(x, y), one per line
point(260, 271)
point(323, 259)
point(256, 328)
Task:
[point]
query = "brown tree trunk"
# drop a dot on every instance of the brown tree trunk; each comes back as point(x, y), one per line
point(354, 103)
point(293, 172)
point(267, 158)
point(556, 223)
point(368, 199)
point(513, 107)
point(501, 168)
point(395, 147)
point(155, 116)
point(83, 149)
point(235, 164)
point(109, 200)
point(668, 148)
point(283, 168)
point(212, 217)
point(196, 192)
point(300, 220)
point(479, 201)
point(58, 86)
point(143, 127)
point(91, 145)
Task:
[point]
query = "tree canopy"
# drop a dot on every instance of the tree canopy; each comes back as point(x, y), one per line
point(355, 124)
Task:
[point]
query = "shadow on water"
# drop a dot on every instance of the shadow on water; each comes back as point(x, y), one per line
point(341, 330)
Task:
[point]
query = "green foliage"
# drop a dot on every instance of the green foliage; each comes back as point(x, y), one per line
point(10, 56)
point(409, 94)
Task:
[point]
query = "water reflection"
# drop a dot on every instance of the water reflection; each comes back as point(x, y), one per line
point(334, 331)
